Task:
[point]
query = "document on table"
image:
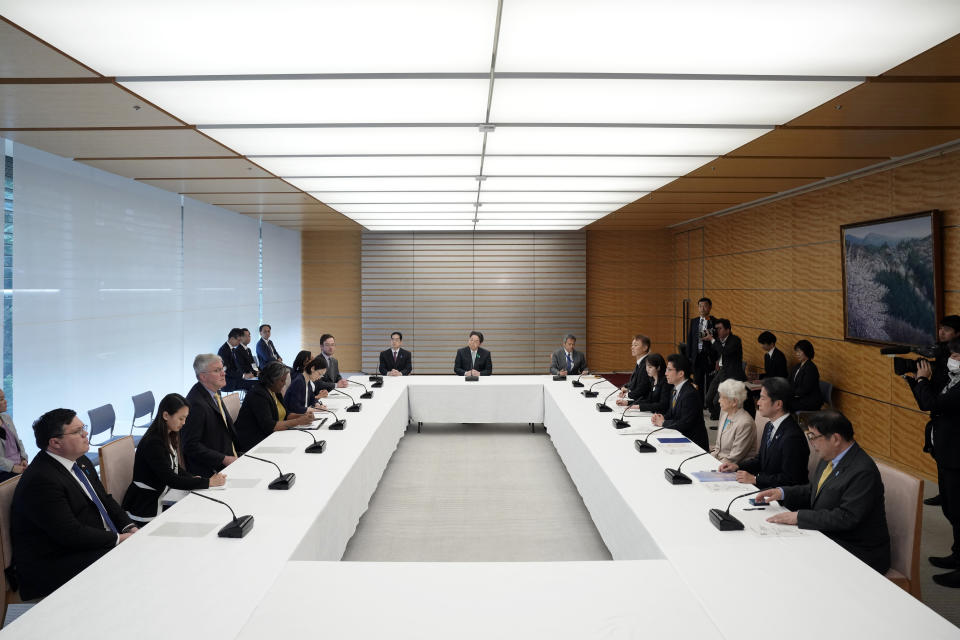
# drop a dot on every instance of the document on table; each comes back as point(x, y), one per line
point(714, 476)
point(770, 530)
point(236, 483)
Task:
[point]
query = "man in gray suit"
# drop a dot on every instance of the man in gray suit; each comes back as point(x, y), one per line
point(332, 378)
point(567, 360)
point(844, 499)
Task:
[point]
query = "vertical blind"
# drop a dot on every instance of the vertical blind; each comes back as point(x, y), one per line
point(523, 290)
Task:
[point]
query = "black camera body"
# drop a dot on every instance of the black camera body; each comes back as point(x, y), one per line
point(902, 366)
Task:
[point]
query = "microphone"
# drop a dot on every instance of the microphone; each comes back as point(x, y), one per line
point(284, 480)
point(590, 393)
point(620, 423)
point(375, 378)
point(339, 424)
point(723, 520)
point(355, 407)
point(577, 382)
point(236, 528)
point(675, 476)
point(643, 446)
point(318, 446)
point(367, 393)
point(602, 406)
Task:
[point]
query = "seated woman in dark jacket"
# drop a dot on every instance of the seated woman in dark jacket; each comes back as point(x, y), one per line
point(300, 394)
point(805, 379)
point(158, 476)
point(658, 399)
point(263, 412)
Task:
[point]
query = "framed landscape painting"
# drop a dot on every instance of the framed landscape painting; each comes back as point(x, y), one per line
point(892, 279)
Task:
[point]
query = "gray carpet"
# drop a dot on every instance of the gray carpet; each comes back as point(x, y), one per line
point(476, 493)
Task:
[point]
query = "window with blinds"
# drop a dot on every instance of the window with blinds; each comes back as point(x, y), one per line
point(523, 290)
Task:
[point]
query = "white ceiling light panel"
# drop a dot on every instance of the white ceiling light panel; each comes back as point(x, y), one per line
point(372, 197)
point(350, 140)
point(552, 183)
point(520, 208)
point(434, 217)
point(376, 166)
point(385, 184)
point(619, 198)
point(619, 140)
point(592, 165)
point(398, 208)
point(452, 226)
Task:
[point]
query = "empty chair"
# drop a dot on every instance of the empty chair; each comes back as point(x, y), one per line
point(231, 402)
point(102, 420)
point(902, 498)
point(116, 466)
point(826, 393)
point(143, 405)
point(6, 548)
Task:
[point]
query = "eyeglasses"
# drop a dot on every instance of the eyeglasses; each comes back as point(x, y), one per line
point(216, 371)
point(812, 437)
point(82, 429)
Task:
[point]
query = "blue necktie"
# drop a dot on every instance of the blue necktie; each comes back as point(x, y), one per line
point(93, 494)
point(768, 435)
point(569, 363)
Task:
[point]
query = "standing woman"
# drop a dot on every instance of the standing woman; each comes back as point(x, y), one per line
point(805, 379)
point(300, 394)
point(158, 476)
point(658, 399)
point(263, 412)
point(14, 459)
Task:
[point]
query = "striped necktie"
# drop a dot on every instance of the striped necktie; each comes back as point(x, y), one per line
point(673, 401)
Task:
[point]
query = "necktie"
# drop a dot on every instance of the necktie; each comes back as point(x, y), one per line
point(93, 494)
point(474, 357)
point(224, 416)
point(826, 474)
point(673, 401)
point(569, 363)
point(394, 357)
point(768, 435)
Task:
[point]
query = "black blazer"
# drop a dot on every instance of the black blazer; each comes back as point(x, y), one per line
point(257, 418)
point(775, 366)
point(806, 387)
point(463, 362)
point(205, 439)
point(232, 367)
point(944, 423)
point(686, 416)
point(331, 377)
point(153, 467)
point(294, 398)
point(55, 527)
point(245, 359)
point(693, 337)
point(849, 508)
point(731, 351)
point(404, 362)
point(657, 399)
point(638, 386)
point(784, 462)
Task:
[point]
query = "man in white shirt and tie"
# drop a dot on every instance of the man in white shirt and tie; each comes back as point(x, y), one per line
point(396, 361)
point(567, 360)
point(473, 360)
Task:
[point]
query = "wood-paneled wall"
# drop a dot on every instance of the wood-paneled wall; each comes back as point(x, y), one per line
point(777, 267)
point(331, 292)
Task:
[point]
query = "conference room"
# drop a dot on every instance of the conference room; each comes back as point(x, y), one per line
point(487, 217)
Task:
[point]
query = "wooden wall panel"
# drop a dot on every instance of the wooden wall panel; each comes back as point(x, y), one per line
point(331, 293)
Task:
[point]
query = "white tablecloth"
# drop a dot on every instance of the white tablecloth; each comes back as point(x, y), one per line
point(443, 399)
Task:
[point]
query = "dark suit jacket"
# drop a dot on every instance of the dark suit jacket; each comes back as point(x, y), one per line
point(775, 366)
point(464, 362)
point(849, 508)
point(56, 529)
point(731, 351)
point(784, 462)
point(693, 337)
point(806, 387)
point(944, 411)
point(686, 416)
point(658, 398)
point(295, 397)
point(331, 377)
point(638, 386)
point(257, 418)
point(153, 467)
point(232, 367)
point(404, 363)
point(558, 362)
point(205, 439)
point(266, 351)
point(245, 359)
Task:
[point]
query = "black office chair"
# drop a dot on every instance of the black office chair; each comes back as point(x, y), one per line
point(102, 420)
point(143, 405)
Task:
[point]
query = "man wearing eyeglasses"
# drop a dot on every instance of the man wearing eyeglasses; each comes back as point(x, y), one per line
point(62, 519)
point(208, 438)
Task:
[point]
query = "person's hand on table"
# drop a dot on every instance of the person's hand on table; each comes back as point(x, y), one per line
point(299, 419)
point(218, 480)
point(746, 478)
point(562, 372)
point(228, 460)
point(623, 402)
point(342, 384)
point(323, 393)
point(767, 496)
point(623, 392)
point(784, 517)
point(727, 467)
point(657, 420)
point(394, 372)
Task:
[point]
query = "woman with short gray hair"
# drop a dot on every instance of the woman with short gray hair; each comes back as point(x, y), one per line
point(737, 431)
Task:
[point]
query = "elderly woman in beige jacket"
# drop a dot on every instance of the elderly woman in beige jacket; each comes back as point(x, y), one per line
point(737, 431)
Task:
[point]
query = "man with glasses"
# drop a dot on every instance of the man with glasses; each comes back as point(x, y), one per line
point(208, 439)
point(686, 412)
point(62, 519)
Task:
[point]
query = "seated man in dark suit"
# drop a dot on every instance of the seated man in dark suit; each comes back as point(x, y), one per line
point(396, 361)
point(783, 455)
point(567, 361)
point(208, 439)
point(728, 354)
point(248, 364)
point(843, 498)
point(266, 351)
point(473, 360)
point(699, 353)
point(236, 378)
point(774, 362)
point(62, 519)
point(686, 413)
point(638, 386)
point(331, 379)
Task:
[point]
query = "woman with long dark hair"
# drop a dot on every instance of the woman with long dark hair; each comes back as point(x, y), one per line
point(300, 396)
point(158, 474)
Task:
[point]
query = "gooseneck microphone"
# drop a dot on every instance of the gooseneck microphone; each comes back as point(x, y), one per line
point(590, 393)
point(643, 446)
point(675, 476)
point(284, 480)
point(339, 423)
point(620, 423)
point(367, 394)
point(602, 406)
point(723, 520)
point(375, 378)
point(353, 408)
point(577, 382)
point(236, 528)
point(318, 446)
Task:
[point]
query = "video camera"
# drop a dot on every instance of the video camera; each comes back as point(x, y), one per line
point(902, 366)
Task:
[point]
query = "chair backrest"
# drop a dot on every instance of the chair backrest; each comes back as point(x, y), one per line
point(761, 423)
point(826, 393)
point(102, 419)
point(6, 502)
point(903, 500)
point(116, 466)
point(143, 405)
point(231, 402)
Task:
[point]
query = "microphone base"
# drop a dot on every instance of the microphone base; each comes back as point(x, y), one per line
point(619, 423)
point(724, 521)
point(577, 384)
point(355, 407)
point(602, 408)
point(284, 482)
point(375, 379)
point(367, 395)
point(316, 447)
point(339, 425)
point(472, 378)
point(674, 476)
point(377, 385)
point(236, 528)
point(590, 394)
point(559, 378)
point(644, 447)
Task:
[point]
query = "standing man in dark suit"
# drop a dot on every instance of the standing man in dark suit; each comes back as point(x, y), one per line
point(774, 362)
point(208, 439)
point(566, 360)
point(473, 360)
point(783, 455)
point(62, 519)
point(236, 378)
point(728, 354)
point(332, 378)
point(843, 497)
point(265, 349)
point(248, 364)
point(686, 413)
point(639, 384)
point(698, 351)
point(396, 361)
